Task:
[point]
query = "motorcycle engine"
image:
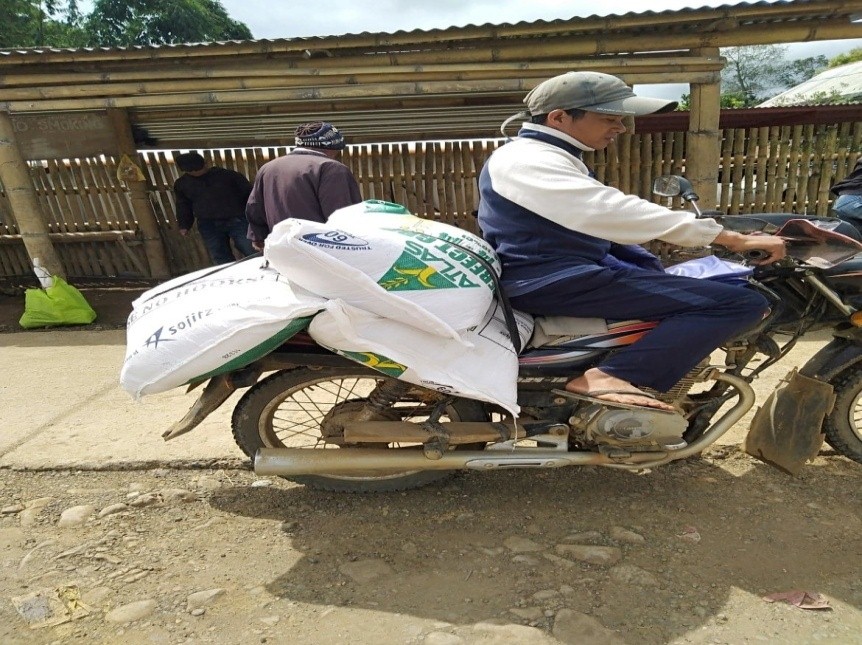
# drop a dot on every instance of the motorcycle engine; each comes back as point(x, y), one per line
point(642, 429)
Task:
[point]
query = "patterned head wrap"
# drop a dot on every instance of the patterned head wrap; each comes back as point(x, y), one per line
point(319, 134)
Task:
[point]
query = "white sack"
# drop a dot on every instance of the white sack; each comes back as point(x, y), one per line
point(487, 370)
point(208, 322)
point(374, 214)
point(393, 264)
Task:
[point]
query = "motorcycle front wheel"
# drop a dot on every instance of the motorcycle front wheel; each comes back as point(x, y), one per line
point(843, 426)
point(304, 408)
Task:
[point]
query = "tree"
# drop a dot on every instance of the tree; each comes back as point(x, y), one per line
point(728, 100)
point(39, 23)
point(115, 23)
point(65, 28)
point(15, 23)
point(852, 56)
point(796, 71)
point(753, 73)
point(124, 23)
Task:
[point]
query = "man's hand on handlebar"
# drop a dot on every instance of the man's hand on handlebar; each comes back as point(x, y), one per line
point(772, 246)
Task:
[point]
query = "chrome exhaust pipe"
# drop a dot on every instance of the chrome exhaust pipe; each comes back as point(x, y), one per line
point(287, 462)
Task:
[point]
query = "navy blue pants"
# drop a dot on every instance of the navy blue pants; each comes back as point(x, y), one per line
point(218, 233)
point(696, 316)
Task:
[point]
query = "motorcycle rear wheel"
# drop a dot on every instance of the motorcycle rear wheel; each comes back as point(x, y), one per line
point(292, 408)
point(843, 426)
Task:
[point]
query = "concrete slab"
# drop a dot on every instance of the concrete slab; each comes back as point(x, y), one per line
point(61, 405)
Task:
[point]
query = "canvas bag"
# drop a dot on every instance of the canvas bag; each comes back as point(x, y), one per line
point(208, 322)
point(482, 366)
point(378, 257)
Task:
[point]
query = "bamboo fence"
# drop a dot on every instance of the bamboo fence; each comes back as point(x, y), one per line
point(775, 168)
point(89, 221)
point(785, 168)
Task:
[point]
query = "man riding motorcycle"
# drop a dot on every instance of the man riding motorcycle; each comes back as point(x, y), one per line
point(569, 244)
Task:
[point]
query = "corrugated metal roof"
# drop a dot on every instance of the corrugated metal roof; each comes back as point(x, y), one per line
point(839, 85)
point(419, 84)
point(357, 126)
point(652, 20)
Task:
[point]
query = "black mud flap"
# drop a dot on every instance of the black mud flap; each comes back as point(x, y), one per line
point(785, 431)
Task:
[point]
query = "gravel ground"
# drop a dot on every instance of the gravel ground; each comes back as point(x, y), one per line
point(682, 554)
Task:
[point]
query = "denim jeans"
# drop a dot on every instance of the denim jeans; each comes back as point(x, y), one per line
point(696, 316)
point(218, 233)
point(849, 208)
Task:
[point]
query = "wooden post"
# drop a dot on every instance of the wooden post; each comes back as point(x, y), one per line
point(26, 209)
point(142, 208)
point(703, 149)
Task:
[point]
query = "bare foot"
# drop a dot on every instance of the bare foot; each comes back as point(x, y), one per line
point(599, 385)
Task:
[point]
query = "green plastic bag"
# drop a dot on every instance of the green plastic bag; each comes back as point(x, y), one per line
point(59, 304)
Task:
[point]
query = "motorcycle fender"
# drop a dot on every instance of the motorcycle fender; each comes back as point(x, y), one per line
point(785, 431)
point(843, 351)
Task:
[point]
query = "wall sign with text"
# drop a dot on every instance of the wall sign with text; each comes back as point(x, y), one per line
point(64, 135)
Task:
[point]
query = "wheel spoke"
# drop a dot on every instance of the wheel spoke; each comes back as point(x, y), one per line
point(298, 418)
point(308, 409)
point(843, 426)
point(854, 416)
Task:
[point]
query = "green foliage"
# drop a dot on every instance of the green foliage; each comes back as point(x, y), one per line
point(729, 100)
point(16, 21)
point(852, 56)
point(123, 23)
point(39, 23)
point(751, 71)
point(732, 100)
point(115, 23)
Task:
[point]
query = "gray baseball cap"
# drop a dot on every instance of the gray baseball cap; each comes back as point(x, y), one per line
point(593, 92)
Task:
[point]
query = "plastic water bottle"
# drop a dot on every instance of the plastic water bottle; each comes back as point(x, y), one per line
point(41, 272)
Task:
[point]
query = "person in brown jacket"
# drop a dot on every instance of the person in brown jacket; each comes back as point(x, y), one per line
point(307, 183)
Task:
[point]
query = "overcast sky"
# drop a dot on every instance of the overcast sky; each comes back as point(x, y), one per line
point(273, 19)
point(268, 19)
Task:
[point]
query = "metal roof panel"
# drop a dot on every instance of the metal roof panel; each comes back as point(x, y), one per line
point(780, 11)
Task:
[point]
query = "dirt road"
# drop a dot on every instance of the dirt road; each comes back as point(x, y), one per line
point(180, 543)
point(684, 554)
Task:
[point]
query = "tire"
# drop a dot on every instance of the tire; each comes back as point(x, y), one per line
point(843, 426)
point(260, 421)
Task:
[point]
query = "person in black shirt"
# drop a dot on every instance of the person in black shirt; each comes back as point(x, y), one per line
point(848, 205)
point(216, 198)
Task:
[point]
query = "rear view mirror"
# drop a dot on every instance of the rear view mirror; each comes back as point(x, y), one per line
point(673, 185)
point(668, 185)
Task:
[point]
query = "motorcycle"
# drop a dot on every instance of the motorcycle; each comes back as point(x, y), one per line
point(325, 421)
